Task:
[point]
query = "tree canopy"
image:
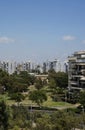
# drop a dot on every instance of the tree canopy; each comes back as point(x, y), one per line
point(82, 98)
point(3, 116)
point(38, 96)
point(60, 78)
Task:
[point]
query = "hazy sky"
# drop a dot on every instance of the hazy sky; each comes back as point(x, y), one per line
point(41, 29)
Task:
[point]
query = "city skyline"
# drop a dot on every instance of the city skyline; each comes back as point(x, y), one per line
point(41, 30)
point(31, 67)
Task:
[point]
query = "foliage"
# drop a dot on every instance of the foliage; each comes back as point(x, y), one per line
point(52, 84)
point(73, 96)
point(16, 82)
point(57, 121)
point(44, 123)
point(60, 120)
point(38, 96)
point(38, 84)
point(20, 117)
point(27, 78)
point(17, 87)
point(60, 78)
point(82, 98)
point(57, 93)
point(3, 116)
point(18, 97)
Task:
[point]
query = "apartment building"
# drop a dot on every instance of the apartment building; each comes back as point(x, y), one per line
point(76, 71)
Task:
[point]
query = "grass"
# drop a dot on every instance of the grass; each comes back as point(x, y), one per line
point(50, 103)
point(56, 104)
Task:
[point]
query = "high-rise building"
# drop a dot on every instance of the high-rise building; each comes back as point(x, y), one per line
point(53, 65)
point(26, 66)
point(31, 67)
point(49, 65)
point(9, 66)
point(66, 67)
point(76, 71)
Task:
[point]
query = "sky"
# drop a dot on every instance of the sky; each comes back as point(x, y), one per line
point(40, 30)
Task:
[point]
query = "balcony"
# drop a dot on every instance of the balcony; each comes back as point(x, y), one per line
point(82, 78)
point(74, 83)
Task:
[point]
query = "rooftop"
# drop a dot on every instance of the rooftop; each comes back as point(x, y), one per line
point(79, 52)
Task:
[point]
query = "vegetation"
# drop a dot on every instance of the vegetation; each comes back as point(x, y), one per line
point(48, 96)
point(60, 78)
point(57, 121)
point(3, 116)
point(82, 98)
point(38, 96)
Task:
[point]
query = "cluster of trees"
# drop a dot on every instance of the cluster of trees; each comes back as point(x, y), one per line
point(60, 78)
point(15, 84)
point(58, 83)
point(3, 116)
point(21, 118)
point(39, 95)
point(18, 116)
point(58, 121)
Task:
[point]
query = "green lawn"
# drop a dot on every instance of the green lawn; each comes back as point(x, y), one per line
point(51, 103)
point(56, 104)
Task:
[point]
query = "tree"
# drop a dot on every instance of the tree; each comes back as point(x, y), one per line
point(59, 120)
point(4, 79)
point(18, 97)
point(43, 123)
point(38, 96)
point(51, 74)
point(60, 78)
point(52, 84)
point(82, 98)
point(3, 116)
point(19, 87)
point(56, 92)
point(38, 84)
point(64, 120)
point(27, 78)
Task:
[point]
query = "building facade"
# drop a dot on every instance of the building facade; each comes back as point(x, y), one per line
point(76, 71)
